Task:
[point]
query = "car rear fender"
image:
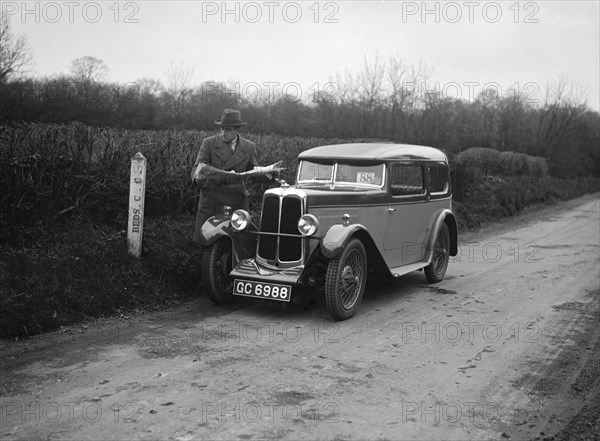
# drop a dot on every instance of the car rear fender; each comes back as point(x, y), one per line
point(443, 216)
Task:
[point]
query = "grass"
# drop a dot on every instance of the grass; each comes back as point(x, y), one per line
point(62, 274)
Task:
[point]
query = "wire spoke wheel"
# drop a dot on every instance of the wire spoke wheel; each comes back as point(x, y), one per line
point(346, 280)
point(216, 265)
point(436, 270)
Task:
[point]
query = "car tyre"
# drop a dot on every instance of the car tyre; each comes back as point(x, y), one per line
point(436, 270)
point(345, 281)
point(216, 266)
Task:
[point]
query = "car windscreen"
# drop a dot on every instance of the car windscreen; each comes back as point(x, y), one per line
point(314, 172)
point(341, 173)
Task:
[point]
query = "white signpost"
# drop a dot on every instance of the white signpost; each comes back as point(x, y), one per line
point(137, 191)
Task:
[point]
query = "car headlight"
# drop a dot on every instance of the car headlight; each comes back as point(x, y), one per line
point(308, 225)
point(239, 220)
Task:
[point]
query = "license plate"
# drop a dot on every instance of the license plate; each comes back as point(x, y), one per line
point(271, 291)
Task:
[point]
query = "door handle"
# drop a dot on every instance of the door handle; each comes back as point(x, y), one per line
point(390, 209)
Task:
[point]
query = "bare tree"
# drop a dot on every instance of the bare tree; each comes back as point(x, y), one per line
point(179, 87)
point(89, 69)
point(396, 75)
point(371, 82)
point(179, 80)
point(340, 106)
point(15, 52)
point(562, 104)
point(407, 85)
point(149, 87)
point(345, 90)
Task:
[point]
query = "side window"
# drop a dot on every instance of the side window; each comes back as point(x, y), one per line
point(438, 178)
point(407, 180)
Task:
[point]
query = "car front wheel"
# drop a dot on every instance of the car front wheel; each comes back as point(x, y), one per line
point(345, 281)
point(436, 270)
point(216, 266)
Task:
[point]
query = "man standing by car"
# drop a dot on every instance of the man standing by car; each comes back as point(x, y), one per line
point(220, 157)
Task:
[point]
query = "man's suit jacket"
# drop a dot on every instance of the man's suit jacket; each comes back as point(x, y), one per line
point(215, 152)
point(216, 189)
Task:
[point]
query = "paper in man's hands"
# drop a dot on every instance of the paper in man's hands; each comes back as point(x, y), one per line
point(205, 171)
point(273, 168)
point(198, 170)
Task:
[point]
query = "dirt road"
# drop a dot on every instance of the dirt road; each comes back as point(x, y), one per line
point(507, 346)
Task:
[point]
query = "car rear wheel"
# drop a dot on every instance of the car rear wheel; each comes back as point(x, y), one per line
point(436, 270)
point(216, 266)
point(345, 281)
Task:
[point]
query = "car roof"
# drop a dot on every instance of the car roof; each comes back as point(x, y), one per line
point(380, 151)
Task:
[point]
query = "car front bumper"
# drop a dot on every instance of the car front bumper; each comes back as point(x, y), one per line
point(248, 269)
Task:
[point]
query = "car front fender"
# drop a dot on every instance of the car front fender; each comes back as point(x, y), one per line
point(336, 237)
point(243, 242)
point(214, 228)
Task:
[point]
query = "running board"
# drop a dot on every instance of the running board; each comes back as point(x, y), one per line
point(405, 269)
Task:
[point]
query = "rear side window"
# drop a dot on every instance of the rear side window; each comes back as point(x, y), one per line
point(407, 180)
point(438, 179)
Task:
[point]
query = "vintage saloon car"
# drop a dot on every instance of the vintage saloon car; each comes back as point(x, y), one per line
point(355, 210)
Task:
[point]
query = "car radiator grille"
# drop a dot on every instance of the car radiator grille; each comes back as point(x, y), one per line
point(284, 220)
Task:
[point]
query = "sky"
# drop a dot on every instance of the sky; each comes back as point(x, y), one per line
point(265, 47)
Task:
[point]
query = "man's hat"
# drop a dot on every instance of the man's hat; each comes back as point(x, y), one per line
point(231, 117)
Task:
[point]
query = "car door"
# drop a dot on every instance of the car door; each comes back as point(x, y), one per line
point(406, 227)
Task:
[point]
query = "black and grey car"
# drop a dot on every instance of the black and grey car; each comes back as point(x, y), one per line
point(355, 210)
